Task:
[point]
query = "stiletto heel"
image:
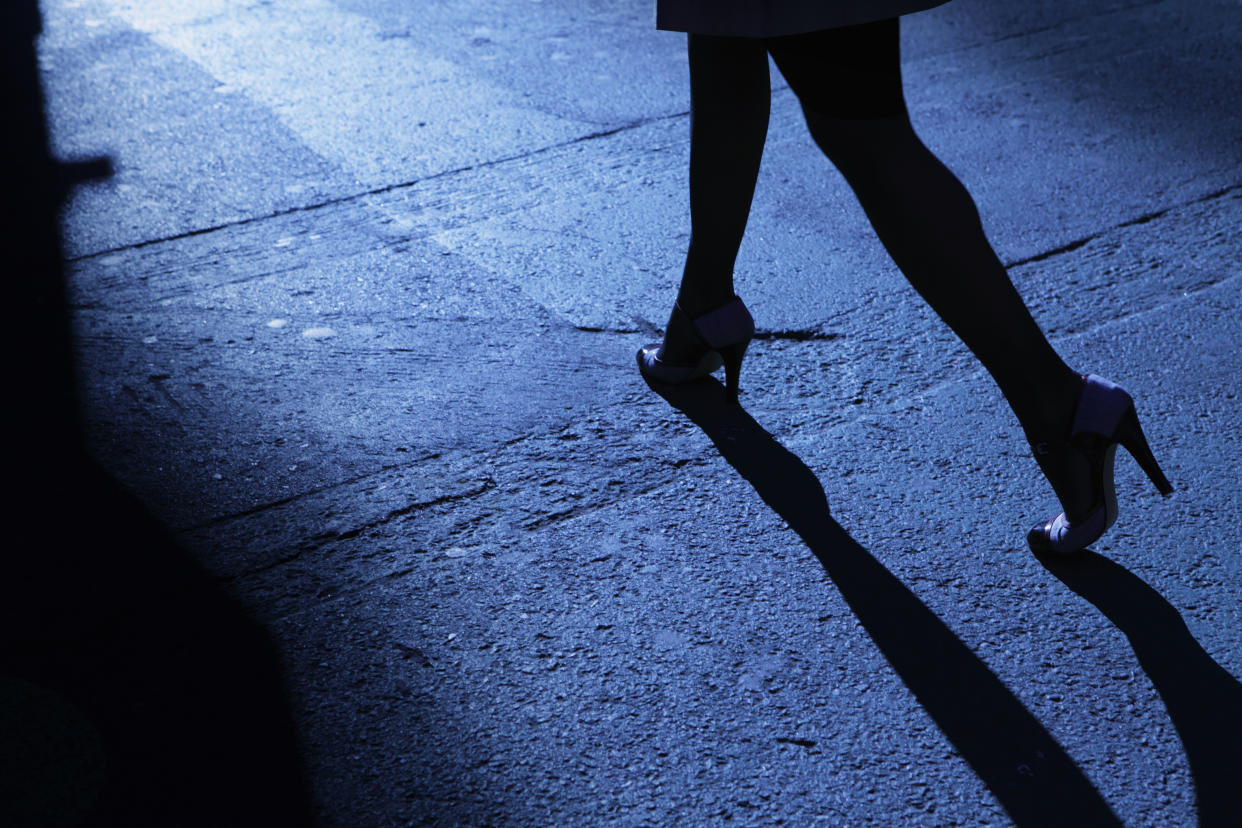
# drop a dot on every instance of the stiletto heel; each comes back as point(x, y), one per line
point(718, 337)
point(1130, 435)
point(732, 356)
point(1105, 418)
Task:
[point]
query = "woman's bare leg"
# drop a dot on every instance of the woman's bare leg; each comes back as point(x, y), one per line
point(930, 226)
point(729, 104)
point(925, 217)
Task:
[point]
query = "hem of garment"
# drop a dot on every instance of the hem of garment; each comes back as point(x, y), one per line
point(749, 25)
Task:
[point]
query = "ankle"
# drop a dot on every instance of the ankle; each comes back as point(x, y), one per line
point(695, 303)
point(1046, 409)
point(706, 281)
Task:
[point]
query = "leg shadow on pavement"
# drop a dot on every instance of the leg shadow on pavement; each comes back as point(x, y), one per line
point(1033, 778)
point(1203, 699)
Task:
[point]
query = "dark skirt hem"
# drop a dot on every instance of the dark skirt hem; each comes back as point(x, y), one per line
point(776, 18)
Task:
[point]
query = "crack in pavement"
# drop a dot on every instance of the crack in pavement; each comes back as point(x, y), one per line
point(1143, 219)
point(354, 586)
point(816, 334)
point(387, 188)
point(790, 334)
point(263, 507)
point(1065, 22)
point(321, 540)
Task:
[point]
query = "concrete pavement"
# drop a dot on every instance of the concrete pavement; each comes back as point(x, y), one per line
point(356, 318)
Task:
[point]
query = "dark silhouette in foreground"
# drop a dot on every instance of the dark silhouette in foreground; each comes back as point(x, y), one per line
point(1033, 778)
point(133, 691)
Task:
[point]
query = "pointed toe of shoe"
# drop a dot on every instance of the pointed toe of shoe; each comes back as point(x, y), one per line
point(1060, 536)
point(704, 344)
point(1039, 541)
point(654, 368)
point(647, 357)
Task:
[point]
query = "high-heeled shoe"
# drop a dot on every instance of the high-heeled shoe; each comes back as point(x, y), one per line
point(1105, 418)
point(718, 337)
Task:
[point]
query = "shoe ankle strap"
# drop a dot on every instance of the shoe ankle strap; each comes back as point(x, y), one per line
point(726, 325)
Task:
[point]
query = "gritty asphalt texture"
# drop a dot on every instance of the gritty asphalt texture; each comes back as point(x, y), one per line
point(355, 319)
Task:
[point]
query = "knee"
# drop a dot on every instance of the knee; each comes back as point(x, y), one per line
point(855, 143)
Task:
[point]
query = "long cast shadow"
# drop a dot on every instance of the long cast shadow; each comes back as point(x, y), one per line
point(1031, 775)
point(1204, 701)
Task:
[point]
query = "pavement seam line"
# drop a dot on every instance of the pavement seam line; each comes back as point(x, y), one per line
point(1069, 247)
point(325, 538)
point(387, 188)
point(1060, 23)
point(818, 334)
point(1042, 256)
point(255, 510)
